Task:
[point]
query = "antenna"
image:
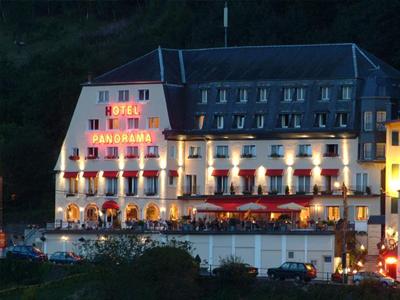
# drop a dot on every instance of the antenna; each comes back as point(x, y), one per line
point(226, 23)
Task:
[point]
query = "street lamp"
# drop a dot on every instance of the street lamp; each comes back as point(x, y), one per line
point(344, 229)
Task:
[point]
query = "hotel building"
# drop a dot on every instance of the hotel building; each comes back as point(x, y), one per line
point(207, 131)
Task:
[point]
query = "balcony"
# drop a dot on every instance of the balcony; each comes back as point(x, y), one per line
point(189, 190)
point(151, 155)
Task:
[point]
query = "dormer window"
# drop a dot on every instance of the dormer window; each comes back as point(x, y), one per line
point(320, 120)
point(288, 94)
point(203, 96)
point(238, 121)
point(259, 121)
point(341, 119)
point(284, 120)
point(221, 96)
point(296, 120)
point(242, 95)
point(199, 121)
point(262, 94)
point(325, 93)
point(220, 122)
point(300, 94)
point(346, 92)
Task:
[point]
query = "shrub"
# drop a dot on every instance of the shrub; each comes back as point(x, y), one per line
point(234, 273)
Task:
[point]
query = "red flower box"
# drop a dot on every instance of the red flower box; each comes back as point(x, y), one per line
point(151, 155)
point(74, 157)
point(92, 157)
point(111, 157)
point(131, 156)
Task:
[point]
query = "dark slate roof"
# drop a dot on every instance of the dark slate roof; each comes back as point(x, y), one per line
point(287, 62)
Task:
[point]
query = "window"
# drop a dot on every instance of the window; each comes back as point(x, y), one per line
point(332, 150)
point(300, 94)
point(367, 120)
point(291, 255)
point(320, 120)
point(123, 96)
point(325, 93)
point(367, 151)
point(259, 121)
point(111, 152)
point(346, 92)
point(75, 153)
point(304, 150)
point(276, 184)
point(238, 121)
point(203, 96)
point(248, 151)
point(361, 182)
point(111, 186)
point(144, 95)
point(131, 186)
point(333, 213)
point(93, 124)
point(172, 152)
point(153, 122)
point(303, 184)
point(276, 151)
point(341, 119)
point(112, 123)
point(152, 151)
point(283, 120)
point(362, 213)
point(242, 95)
point(133, 123)
point(91, 185)
point(72, 186)
point(380, 120)
point(221, 184)
point(191, 185)
point(395, 138)
point(222, 152)
point(194, 152)
point(328, 259)
point(151, 186)
point(221, 96)
point(288, 94)
point(199, 120)
point(132, 152)
point(220, 122)
point(92, 152)
point(263, 94)
point(296, 120)
point(380, 150)
point(103, 97)
point(171, 180)
point(394, 205)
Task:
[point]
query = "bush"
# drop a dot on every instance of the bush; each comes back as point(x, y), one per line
point(233, 272)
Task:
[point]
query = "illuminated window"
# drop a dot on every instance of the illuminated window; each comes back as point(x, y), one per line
point(153, 122)
point(112, 123)
point(131, 186)
point(132, 213)
point(259, 121)
point(346, 92)
point(220, 121)
point(174, 212)
point(152, 213)
point(288, 94)
point(238, 121)
point(111, 152)
point(221, 96)
point(284, 120)
point(242, 95)
point(325, 93)
point(368, 121)
point(320, 120)
point(296, 118)
point(194, 152)
point(144, 95)
point(91, 185)
point(380, 150)
point(362, 213)
point(133, 123)
point(73, 185)
point(152, 151)
point(263, 94)
point(92, 152)
point(300, 94)
point(204, 96)
point(132, 151)
point(222, 152)
point(123, 96)
point(111, 186)
point(333, 213)
point(93, 124)
point(72, 213)
point(341, 120)
point(103, 97)
point(199, 121)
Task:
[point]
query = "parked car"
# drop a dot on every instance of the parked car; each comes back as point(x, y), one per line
point(293, 270)
point(252, 271)
point(26, 252)
point(66, 258)
point(374, 276)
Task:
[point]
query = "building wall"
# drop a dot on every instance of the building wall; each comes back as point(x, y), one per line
point(260, 250)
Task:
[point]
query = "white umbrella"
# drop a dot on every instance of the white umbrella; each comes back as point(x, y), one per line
point(251, 206)
point(208, 206)
point(291, 206)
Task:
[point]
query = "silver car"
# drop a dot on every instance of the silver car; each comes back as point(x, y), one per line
point(374, 276)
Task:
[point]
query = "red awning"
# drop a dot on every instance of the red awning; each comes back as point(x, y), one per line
point(302, 172)
point(70, 174)
point(271, 204)
point(130, 174)
point(110, 204)
point(110, 174)
point(150, 173)
point(87, 174)
point(220, 172)
point(274, 172)
point(247, 172)
point(173, 173)
point(330, 172)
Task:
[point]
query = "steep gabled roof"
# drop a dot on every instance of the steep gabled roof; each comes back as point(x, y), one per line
point(285, 62)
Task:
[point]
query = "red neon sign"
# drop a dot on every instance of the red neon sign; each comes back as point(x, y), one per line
point(122, 110)
point(137, 137)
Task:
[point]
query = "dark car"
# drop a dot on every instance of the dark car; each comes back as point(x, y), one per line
point(293, 270)
point(252, 271)
point(26, 252)
point(67, 258)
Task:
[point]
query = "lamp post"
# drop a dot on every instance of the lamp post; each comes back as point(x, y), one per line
point(344, 230)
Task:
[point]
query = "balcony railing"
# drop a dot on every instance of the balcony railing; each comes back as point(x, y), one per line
point(194, 156)
point(276, 155)
point(151, 155)
point(331, 154)
point(150, 192)
point(247, 155)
